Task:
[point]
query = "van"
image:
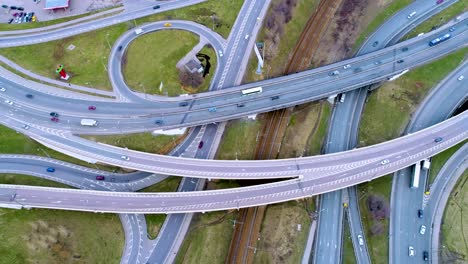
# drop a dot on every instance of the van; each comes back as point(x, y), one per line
point(411, 15)
point(138, 31)
point(89, 122)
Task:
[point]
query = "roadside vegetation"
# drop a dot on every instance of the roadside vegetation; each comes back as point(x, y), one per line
point(454, 246)
point(239, 140)
point(284, 232)
point(154, 222)
point(348, 250)
point(55, 237)
point(374, 203)
point(87, 62)
point(389, 108)
point(145, 142)
point(208, 238)
point(439, 160)
point(438, 20)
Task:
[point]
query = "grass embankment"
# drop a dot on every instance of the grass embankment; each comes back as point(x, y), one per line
point(38, 24)
point(439, 160)
point(239, 140)
point(12, 142)
point(389, 108)
point(377, 243)
point(87, 63)
point(145, 142)
point(281, 238)
point(54, 236)
point(386, 13)
point(439, 19)
point(208, 238)
point(161, 62)
point(155, 221)
point(454, 245)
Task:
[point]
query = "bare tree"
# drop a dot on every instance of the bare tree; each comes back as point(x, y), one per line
point(187, 78)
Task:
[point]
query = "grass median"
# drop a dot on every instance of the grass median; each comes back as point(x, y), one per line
point(439, 160)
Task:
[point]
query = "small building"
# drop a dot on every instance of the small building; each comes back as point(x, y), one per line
point(56, 4)
point(194, 65)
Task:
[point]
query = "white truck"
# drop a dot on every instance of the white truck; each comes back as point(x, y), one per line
point(426, 164)
point(89, 122)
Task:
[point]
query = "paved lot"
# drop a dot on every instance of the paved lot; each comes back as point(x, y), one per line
point(76, 7)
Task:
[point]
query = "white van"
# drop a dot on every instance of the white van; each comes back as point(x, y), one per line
point(411, 15)
point(89, 122)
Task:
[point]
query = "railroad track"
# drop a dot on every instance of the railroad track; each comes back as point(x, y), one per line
point(248, 222)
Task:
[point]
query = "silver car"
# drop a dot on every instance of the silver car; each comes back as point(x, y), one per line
point(422, 230)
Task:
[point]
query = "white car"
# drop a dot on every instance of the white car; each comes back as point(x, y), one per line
point(346, 66)
point(459, 78)
point(124, 157)
point(2, 89)
point(220, 53)
point(385, 161)
point(26, 127)
point(411, 15)
point(247, 36)
point(9, 102)
point(361, 240)
point(422, 230)
point(411, 251)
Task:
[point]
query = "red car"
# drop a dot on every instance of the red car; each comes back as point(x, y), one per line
point(200, 145)
point(54, 119)
point(100, 177)
point(91, 107)
point(440, 1)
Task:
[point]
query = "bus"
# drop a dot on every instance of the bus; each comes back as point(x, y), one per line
point(416, 173)
point(439, 39)
point(250, 91)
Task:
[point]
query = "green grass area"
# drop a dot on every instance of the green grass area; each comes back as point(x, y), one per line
point(348, 250)
point(87, 63)
point(12, 142)
point(38, 23)
point(439, 160)
point(224, 11)
point(454, 245)
point(292, 31)
point(386, 13)
point(377, 243)
point(239, 140)
point(280, 240)
point(208, 238)
point(161, 61)
point(145, 142)
point(389, 108)
point(317, 139)
point(439, 19)
point(155, 221)
point(20, 179)
point(55, 237)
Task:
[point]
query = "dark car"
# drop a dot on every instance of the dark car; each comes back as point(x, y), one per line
point(13, 7)
point(439, 2)
point(404, 49)
point(400, 61)
point(420, 213)
point(54, 119)
point(91, 107)
point(200, 145)
point(240, 105)
point(30, 96)
point(183, 103)
point(10, 20)
point(159, 122)
point(425, 256)
point(276, 97)
point(119, 48)
point(21, 8)
point(375, 44)
point(54, 114)
point(50, 169)
point(156, 7)
point(100, 177)
point(15, 14)
point(438, 139)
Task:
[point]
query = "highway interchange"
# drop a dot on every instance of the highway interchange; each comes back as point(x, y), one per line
point(75, 114)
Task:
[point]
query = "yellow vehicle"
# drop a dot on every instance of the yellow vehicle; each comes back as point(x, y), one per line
point(167, 24)
point(33, 18)
point(345, 205)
